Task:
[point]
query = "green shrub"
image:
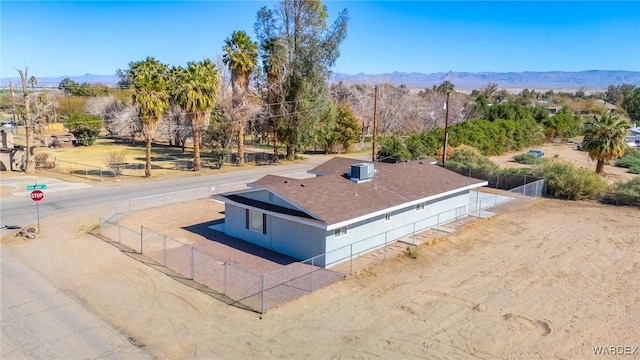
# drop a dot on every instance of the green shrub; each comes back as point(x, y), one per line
point(624, 193)
point(566, 181)
point(630, 187)
point(84, 127)
point(467, 156)
point(412, 252)
point(630, 159)
point(393, 149)
point(634, 169)
point(516, 171)
point(528, 159)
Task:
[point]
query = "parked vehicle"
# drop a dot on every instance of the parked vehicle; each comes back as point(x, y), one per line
point(536, 153)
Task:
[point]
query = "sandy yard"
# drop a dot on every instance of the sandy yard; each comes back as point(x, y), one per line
point(569, 153)
point(549, 280)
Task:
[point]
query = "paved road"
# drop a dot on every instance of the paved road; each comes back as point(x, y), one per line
point(18, 209)
point(40, 322)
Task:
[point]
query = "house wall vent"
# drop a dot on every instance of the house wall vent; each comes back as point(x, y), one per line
point(362, 172)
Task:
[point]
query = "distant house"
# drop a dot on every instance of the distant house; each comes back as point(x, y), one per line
point(633, 139)
point(553, 109)
point(610, 108)
point(348, 208)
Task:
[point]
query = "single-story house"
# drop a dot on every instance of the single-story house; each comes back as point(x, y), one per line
point(349, 208)
point(610, 108)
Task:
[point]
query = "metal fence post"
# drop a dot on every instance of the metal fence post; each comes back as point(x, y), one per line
point(263, 281)
point(193, 265)
point(165, 250)
point(141, 239)
point(225, 278)
point(119, 234)
point(413, 235)
point(384, 257)
point(312, 271)
point(351, 261)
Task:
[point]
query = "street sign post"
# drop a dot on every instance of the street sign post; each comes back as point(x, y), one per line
point(37, 195)
point(36, 187)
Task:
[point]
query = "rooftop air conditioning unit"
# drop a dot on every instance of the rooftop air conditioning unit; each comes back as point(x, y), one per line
point(362, 172)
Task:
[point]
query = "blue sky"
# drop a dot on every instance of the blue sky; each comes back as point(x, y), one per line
point(71, 38)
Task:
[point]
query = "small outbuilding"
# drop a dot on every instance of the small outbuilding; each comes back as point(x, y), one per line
point(350, 207)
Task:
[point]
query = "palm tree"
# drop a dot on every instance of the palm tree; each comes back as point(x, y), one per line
point(273, 64)
point(604, 139)
point(149, 81)
point(194, 90)
point(241, 55)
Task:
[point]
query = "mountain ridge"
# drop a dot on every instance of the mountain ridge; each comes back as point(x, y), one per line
point(589, 79)
point(551, 80)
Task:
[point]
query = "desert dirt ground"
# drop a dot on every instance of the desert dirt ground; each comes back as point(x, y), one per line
point(550, 279)
point(566, 152)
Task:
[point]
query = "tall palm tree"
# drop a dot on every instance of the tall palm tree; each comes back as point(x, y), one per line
point(241, 55)
point(194, 90)
point(149, 82)
point(604, 139)
point(273, 63)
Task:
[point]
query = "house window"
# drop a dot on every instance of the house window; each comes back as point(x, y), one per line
point(340, 232)
point(387, 217)
point(420, 207)
point(256, 221)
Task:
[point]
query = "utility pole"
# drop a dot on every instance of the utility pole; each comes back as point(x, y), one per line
point(375, 123)
point(446, 130)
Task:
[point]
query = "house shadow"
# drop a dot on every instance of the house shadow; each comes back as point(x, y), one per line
point(205, 230)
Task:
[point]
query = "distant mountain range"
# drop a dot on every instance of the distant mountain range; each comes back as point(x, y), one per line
point(555, 80)
point(593, 79)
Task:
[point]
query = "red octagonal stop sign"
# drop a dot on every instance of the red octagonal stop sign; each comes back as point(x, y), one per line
point(37, 195)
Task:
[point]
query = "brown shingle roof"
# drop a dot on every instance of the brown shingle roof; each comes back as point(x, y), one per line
point(333, 198)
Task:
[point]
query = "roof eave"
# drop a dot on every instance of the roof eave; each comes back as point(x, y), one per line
point(404, 205)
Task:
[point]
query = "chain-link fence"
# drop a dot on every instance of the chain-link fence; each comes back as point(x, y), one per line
point(136, 169)
point(496, 179)
point(259, 291)
point(241, 285)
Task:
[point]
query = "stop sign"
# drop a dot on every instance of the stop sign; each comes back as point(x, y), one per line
point(37, 195)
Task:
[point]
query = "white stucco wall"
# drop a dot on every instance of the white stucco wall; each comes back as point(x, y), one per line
point(374, 233)
point(296, 240)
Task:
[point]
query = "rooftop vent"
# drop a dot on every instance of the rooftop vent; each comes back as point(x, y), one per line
point(362, 172)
